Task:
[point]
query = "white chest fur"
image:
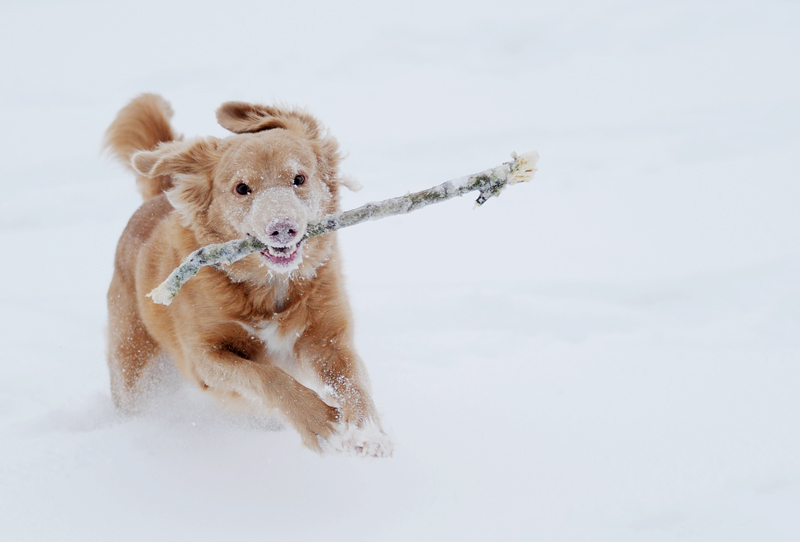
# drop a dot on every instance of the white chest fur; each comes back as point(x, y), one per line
point(280, 345)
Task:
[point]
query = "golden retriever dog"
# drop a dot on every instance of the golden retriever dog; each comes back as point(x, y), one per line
point(252, 330)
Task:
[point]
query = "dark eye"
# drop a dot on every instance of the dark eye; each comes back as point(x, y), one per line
point(242, 189)
point(299, 179)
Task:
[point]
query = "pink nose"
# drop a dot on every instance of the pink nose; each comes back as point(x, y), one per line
point(283, 230)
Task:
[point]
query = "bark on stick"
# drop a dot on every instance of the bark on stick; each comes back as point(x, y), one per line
point(489, 183)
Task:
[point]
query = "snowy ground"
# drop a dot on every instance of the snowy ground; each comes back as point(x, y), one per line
point(609, 353)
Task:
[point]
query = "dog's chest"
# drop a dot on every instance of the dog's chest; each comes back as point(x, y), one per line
point(279, 343)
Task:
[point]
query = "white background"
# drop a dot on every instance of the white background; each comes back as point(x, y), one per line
point(609, 353)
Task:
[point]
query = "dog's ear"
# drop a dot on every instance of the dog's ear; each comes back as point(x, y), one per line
point(245, 118)
point(328, 159)
point(178, 157)
point(191, 164)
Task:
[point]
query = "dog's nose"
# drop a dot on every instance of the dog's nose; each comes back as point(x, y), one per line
point(283, 230)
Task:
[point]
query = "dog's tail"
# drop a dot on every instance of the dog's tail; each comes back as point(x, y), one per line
point(142, 125)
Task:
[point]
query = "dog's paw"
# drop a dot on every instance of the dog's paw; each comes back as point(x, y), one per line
point(366, 439)
point(313, 418)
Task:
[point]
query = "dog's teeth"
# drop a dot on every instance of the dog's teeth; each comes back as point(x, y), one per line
point(282, 252)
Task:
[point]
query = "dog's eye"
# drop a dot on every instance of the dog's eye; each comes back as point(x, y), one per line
point(242, 189)
point(299, 179)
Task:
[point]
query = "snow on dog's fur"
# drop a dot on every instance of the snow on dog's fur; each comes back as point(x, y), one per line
point(248, 330)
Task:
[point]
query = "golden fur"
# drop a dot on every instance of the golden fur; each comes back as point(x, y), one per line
point(247, 330)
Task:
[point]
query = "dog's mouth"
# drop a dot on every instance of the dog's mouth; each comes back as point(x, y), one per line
point(284, 258)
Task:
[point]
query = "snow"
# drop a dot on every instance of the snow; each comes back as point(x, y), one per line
point(609, 352)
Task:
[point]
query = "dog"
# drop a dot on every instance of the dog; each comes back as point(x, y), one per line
point(248, 332)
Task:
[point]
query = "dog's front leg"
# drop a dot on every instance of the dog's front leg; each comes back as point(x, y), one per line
point(340, 371)
point(228, 369)
point(338, 367)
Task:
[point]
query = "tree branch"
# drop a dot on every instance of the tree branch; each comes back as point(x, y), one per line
point(490, 183)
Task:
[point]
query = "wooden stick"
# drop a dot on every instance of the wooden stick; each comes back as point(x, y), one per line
point(490, 183)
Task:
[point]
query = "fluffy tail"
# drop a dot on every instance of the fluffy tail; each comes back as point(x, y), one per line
point(141, 126)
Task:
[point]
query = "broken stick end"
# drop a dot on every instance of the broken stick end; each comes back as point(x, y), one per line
point(523, 168)
point(161, 295)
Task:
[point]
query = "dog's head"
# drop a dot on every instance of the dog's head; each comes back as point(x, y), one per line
point(277, 173)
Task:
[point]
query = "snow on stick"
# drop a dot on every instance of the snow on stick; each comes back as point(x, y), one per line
point(217, 254)
point(489, 183)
